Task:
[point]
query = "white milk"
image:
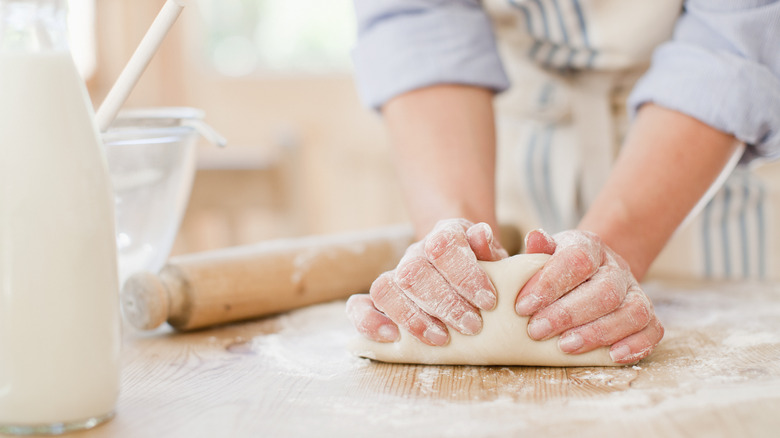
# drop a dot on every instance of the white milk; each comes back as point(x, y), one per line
point(59, 310)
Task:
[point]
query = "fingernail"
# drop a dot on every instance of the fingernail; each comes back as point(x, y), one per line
point(485, 300)
point(488, 232)
point(527, 235)
point(436, 335)
point(539, 328)
point(620, 354)
point(527, 305)
point(571, 343)
point(470, 323)
point(387, 333)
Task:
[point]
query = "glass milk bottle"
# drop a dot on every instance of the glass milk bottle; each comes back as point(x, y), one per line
point(59, 309)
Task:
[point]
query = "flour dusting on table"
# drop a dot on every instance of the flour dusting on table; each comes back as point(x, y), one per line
point(311, 342)
point(734, 332)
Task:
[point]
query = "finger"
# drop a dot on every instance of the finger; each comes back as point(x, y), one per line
point(638, 346)
point(539, 242)
point(631, 317)
point(421, 282)
point(599, 296)
point(390, 299)
point(484, 244)
point(448, 250)
point(369, 321)
point(577, 257)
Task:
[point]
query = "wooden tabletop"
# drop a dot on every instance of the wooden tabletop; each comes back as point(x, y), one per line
point(716, 374)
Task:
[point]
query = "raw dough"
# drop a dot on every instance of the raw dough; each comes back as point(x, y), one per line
point(503, 339)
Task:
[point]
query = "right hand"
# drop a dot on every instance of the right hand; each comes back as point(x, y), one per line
point(438, 283)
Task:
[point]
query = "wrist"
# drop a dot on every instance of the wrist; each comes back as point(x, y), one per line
point(443, 137)
point(616, 230)
point(667, 163)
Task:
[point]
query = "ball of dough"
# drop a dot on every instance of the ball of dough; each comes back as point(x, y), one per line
point(504, 337)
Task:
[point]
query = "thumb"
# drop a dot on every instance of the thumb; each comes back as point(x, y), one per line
point(539, 242)
point(484, 244)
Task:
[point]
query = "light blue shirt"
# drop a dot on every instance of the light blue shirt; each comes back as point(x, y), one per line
point(722, 65)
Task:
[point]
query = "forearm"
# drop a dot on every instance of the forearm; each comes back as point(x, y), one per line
point(668, 162)
point(444, 140)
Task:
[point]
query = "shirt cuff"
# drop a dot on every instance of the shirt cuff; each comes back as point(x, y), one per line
point(727, 92)
point(447, 44)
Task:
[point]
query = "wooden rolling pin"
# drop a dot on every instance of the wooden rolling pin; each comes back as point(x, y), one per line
point(232, 284)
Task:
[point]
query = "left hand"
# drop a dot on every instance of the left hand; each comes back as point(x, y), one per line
point(587, 294)
point(436, 286)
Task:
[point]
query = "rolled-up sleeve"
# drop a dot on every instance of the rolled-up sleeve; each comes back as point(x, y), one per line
point(722, 67)
point(408, 44)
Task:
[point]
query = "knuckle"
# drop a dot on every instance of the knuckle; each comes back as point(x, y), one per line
point(449, 310)
point(639, 314)
point(410, 272)
point(637, 294)
point(450, 307)
point(651, 335)
point(611, 296)
point(417, 322)
point(381, 288)
point(473, 285)
point(560, 317)
point(438, 245)
point(597, 334)
point(407, 317)
point(465, 283)
point(411, 320)
point(581, 261)
point(442, 242)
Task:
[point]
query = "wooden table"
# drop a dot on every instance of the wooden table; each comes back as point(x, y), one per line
point(716, 374)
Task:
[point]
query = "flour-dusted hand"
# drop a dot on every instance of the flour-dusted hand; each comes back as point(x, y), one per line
point(587, 294)
point(437, 284)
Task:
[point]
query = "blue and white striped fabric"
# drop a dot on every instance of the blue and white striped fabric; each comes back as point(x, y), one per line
point(733, 226)
point(559, 31)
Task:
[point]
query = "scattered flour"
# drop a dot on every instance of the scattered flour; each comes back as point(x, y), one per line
point(742, 339)
point(722, 347)
point(426, 378)
point(310, 342)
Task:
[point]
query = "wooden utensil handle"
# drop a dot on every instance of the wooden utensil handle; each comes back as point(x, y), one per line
point(232, 284)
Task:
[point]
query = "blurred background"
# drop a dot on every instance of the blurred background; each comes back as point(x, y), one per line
point(274, 77)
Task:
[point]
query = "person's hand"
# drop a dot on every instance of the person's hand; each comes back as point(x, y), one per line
point(587, 294)
point(437, 284)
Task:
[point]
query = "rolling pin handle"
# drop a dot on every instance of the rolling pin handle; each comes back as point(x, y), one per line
point(145, 301)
